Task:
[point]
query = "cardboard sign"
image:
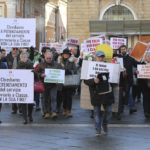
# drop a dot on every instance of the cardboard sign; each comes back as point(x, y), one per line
point(144, 71)
point(92, 43)
point(90, 69)
point(17, 32)
point(54, 76)
point(15, 87)
point(139, 50)
point(115, 43)
point(72, 41)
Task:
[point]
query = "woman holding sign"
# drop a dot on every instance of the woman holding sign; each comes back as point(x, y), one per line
point(145, 86)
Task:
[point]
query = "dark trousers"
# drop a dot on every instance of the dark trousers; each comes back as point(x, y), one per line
point(0, 106)
point(59, 100)
point(27, 110)
point(146, 101)
point(37, 99)
point(136, 92)
point(67, 93)
point(15, 107)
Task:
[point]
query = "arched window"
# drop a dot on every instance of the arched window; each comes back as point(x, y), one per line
point(118, 13)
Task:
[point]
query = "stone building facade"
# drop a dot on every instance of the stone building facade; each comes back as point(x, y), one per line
point(56, 21)
point(119, 18)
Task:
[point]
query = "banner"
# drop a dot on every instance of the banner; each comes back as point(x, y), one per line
point(144, 71)
point(49, 45)
point(90, 69)
point(54, 76)
point(72, 41)
point(115, 42)
point(17, 32)
point(92, 43)
point(15, 87)
point(139, 50)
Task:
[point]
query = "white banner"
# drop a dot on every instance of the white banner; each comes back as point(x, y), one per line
point(92, 43)
point(54, 76)
point(15, 87)
point(144, 71)
point(17, 32)
point(90, 69)
point(72, 41)
point(44, 45)
point(115, 42)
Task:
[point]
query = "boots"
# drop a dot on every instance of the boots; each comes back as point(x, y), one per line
point(68, 114)
point(64, 112)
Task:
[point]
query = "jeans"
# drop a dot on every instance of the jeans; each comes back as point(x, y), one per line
point(102, 119)
point(37, 99)
point(50, 95)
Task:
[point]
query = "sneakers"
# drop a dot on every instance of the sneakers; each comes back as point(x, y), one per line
point(98, 133)
point(105, 129)
point(47, 115)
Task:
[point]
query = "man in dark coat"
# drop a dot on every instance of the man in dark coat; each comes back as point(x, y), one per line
point(101, 94)
point(2, 66)
point(12, 61)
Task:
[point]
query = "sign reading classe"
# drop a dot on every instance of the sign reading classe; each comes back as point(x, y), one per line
point(15, 88)
point(17, 32)
point(144, 71)
point(54, 76)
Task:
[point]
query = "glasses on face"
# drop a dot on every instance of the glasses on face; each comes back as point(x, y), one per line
point(15, 49)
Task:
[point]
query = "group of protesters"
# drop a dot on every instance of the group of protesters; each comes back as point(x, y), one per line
point(57, 96)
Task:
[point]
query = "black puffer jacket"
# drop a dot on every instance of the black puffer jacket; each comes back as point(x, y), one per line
point(100, 93)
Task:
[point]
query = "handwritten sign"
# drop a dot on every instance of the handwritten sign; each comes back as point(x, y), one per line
point(115, 43)
point(144, 71)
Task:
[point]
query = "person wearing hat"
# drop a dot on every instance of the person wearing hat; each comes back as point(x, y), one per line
point(101, 95)
point(67, 62)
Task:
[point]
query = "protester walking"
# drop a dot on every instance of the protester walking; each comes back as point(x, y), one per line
point(101, 95)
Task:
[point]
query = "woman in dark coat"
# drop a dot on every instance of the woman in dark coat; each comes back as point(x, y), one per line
point(25, 63)
point(67, 62)
point(145, 86)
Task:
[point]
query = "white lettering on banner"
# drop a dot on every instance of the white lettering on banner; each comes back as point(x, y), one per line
point(144, 71)
point(92, 43)
point(90, 69)
point(117, 42)
point(17, 32)
point(14, 88)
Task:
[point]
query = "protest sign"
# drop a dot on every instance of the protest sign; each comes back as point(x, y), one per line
point(83, 48)
point(58, 47)
point(72, 41)
point(17, 32)
point(139, 50)
point(15, 88)
point(144, 71)
point(49, 45)
point(90, 69)
point(54, 76)
point(92, 43)
point(115, 42)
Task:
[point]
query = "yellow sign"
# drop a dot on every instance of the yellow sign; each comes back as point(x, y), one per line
point(106, 49)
